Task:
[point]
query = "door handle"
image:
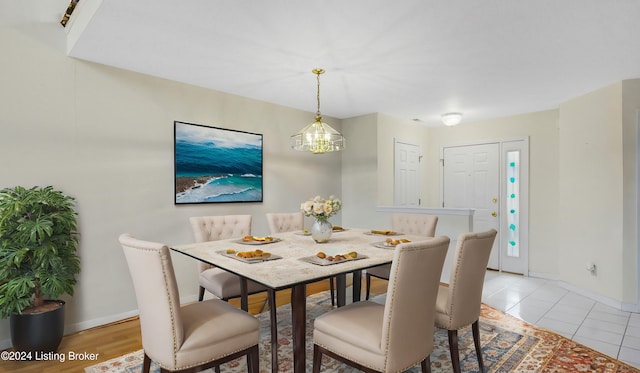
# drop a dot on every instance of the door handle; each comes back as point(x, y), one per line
point(494, 214)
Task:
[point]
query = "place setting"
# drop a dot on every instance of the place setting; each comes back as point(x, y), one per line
point(253, 256)
point(390, 243)
point(382, 232)
point(324, 259)
point(253, 240)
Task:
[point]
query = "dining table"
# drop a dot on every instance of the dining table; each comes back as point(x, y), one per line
point(290, 261)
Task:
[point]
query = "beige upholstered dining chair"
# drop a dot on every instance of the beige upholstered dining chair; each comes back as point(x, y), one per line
point(223, 284)
point(458, 304)
point(397, 335)
point(419, 224)
point(198, 335)
point(289, 222)
point(285, 221)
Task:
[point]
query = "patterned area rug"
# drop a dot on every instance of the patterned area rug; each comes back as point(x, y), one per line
point(508, 345)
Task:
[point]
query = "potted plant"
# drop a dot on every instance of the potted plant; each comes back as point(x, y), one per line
point(38, 263)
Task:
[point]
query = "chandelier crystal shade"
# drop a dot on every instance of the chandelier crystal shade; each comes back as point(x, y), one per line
point(318, 137)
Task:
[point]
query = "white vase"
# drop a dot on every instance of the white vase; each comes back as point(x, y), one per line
point(321, 231)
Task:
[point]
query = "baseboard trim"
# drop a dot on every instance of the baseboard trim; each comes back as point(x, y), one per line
point(101, 321)
point(544, 275)
point(622, 306)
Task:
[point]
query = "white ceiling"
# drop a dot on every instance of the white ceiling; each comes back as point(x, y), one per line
point(405, 58)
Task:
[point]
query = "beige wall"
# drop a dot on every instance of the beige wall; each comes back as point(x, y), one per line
point(105, 136)
point(368, 169)
point(630, 254)
point(598, 189)
point(360, 172)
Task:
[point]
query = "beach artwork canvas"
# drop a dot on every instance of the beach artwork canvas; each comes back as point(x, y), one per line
point(216, 164)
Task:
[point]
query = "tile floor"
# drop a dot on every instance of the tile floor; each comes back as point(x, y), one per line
point(544, 303)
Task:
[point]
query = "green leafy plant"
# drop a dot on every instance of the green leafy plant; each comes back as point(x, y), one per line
point(38, 243)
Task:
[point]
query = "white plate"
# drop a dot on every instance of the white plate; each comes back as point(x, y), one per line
point(386, 245)
point(303, 233)
point(383, 245)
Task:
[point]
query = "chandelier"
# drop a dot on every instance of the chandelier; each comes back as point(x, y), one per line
point(318, 137)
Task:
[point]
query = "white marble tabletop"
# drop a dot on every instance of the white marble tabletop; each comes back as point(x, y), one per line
point(289, 270)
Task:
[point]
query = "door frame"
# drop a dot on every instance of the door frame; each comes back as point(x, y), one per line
point(637, 118)
point(524, 191)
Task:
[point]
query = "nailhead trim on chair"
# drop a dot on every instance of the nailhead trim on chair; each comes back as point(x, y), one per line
point(173, 318)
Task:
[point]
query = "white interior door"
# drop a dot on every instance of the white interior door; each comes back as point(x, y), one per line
point(471, 179)
point(406, 187)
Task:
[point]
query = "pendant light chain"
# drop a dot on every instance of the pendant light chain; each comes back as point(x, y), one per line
point(318, 137)
point(318, 79)
point(318, 72)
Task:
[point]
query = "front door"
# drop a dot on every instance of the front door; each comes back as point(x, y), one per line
point(471, 179)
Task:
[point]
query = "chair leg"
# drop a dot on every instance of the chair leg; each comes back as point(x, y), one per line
point(426, 365)
point(217, 368)
point(368, 286)
point(475, 328)
point(274, 330)
point(253, 360)
point(146, 363)
point(200, 294)
point(453, 349)
point(317, 358)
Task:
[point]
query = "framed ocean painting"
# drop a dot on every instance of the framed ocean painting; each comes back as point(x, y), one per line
point(214, 165)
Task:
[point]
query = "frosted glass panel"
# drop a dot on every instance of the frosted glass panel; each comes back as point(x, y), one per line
point(513, 203)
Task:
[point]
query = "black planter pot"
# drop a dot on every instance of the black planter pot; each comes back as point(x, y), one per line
point(38, 332)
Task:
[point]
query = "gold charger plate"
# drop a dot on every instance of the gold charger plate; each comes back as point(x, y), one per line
point(383, 232)
point(324, 262)
point(243, 242)
point(249, 260)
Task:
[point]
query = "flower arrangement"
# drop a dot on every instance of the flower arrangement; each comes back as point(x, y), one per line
point(321, 209)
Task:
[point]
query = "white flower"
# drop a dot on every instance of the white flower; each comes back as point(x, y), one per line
point(321, 208)
point(307, 206)
point(328, 209)
point(318, 208)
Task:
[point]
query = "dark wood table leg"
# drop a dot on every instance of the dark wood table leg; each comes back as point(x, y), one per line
point(299, 321)
point(244, 297)
point(341, 289)
point(274, 330)
point(357, 286)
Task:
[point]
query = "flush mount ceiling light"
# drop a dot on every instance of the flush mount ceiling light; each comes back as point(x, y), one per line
point(451, 119)
point(318, 137)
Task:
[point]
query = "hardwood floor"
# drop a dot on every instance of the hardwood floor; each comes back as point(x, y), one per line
point(116, 339)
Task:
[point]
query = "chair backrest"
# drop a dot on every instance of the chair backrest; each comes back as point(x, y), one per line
point(285, 221)
point(212, 228)
point(407, 332)
point(221, 227)
point(467, 277)
point(157, 295)
point(420, 224)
